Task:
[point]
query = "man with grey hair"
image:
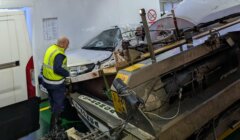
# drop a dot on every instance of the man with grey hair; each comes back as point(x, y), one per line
point(54, 73)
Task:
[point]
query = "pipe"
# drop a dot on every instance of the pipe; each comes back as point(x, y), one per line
point(175, 24)
point(147, 33)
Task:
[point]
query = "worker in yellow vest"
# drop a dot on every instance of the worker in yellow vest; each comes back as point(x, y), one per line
point(54, 73)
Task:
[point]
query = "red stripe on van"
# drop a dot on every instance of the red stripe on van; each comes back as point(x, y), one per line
point(29, 76)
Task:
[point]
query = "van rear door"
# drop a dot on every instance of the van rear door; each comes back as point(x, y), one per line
point(13, 61)
point(19, 107)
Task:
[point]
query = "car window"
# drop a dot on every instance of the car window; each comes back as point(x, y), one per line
point(106, 40)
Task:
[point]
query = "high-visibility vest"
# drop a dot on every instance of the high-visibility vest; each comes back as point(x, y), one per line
point(48, 73)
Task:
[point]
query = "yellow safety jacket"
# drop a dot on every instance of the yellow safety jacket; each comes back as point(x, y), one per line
point(48, 73)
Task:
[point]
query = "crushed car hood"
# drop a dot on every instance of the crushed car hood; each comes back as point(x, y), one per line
point(201, 11)
point(77, 57)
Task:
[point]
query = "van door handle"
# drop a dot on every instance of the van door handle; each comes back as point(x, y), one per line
point(9, 65)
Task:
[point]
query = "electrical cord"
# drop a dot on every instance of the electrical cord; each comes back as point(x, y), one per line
point(174, 116)
point(122, 126)
point(151, 88)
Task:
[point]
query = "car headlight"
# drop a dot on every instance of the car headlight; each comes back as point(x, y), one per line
point(76, 70)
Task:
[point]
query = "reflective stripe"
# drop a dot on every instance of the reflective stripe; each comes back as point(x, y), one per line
point(53, 82)
point(51, 56)
point(47, 66)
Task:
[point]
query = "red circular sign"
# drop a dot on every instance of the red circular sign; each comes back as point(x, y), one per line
point(152, 15)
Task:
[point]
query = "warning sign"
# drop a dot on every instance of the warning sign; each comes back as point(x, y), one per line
point(151, 15)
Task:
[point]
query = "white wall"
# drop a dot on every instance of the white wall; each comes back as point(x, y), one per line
point(16, 3)
point(82, 19)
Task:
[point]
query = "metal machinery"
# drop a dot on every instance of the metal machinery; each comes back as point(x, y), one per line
point(185, 91)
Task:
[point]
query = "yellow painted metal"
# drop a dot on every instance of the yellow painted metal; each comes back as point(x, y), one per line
point(228, 132)
point(134, 67)
point(123, 77)
point(44, 108)
point(119, 103)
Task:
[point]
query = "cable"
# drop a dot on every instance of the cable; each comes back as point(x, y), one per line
point(166, 118)
point(174, 116)
point(151, 88)
point(121, 127)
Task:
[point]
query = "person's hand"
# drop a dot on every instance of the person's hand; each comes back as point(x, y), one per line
point(68, 80)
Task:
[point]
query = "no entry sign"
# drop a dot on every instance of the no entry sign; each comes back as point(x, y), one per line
point(151, 15)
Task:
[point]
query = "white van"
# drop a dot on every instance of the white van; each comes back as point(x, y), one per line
point(19, 106)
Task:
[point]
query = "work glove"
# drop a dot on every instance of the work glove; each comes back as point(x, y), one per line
point(67, 81)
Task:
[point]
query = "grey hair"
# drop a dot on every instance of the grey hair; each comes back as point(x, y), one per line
point(62, 40)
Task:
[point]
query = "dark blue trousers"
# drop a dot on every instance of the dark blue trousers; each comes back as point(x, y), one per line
point(56, 94)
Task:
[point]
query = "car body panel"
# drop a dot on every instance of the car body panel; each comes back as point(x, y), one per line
point(196, 11)
point(83, 56)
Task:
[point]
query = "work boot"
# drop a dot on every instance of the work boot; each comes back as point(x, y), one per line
point(59, 121)
point(52, 122)
point(55, 127)
point(49, 136)
point(61, 135)
point(55, 122)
